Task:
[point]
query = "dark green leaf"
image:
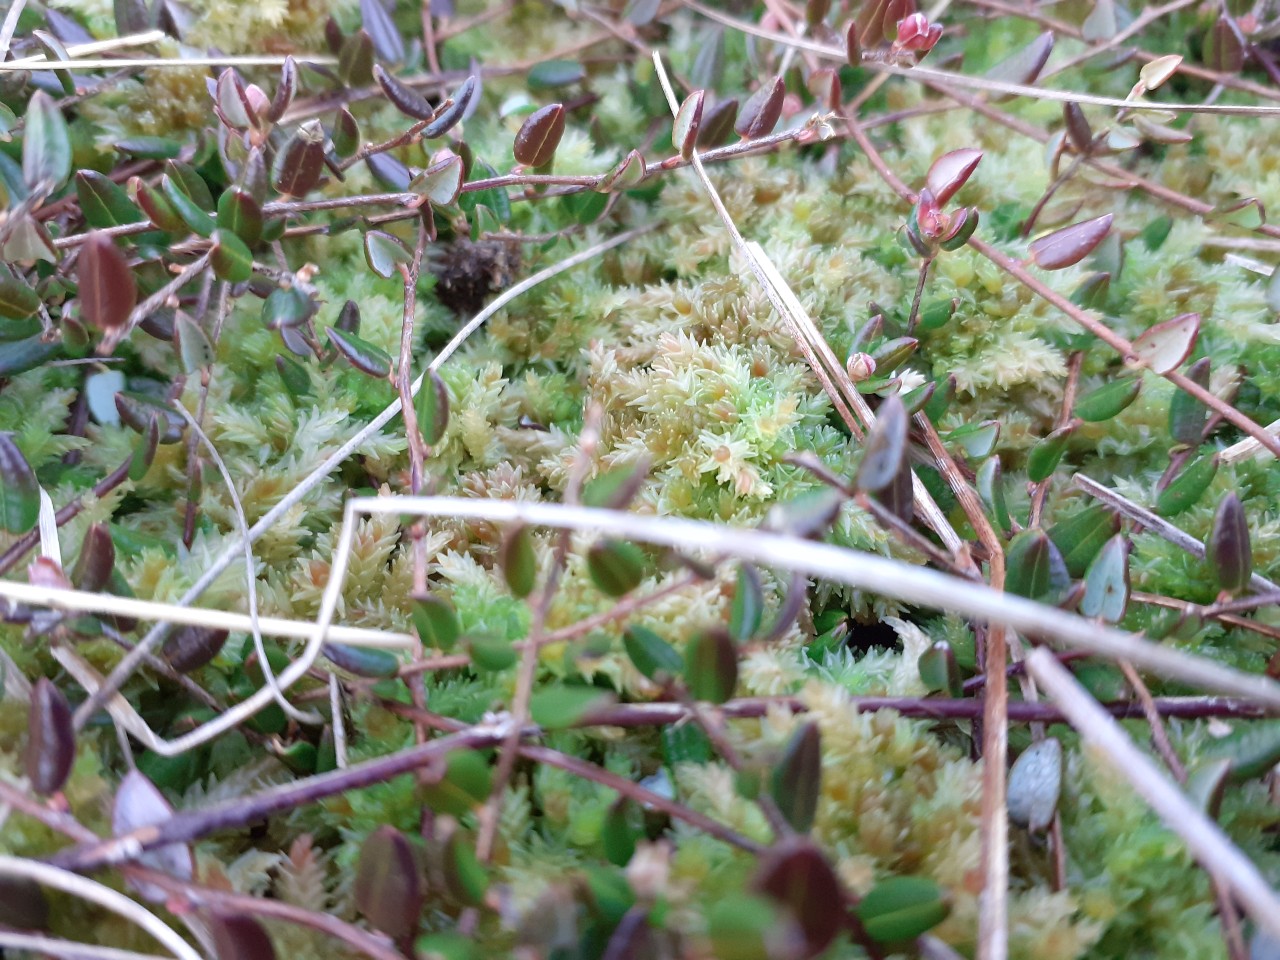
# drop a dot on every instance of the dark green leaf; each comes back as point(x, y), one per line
point(384, 253)
point(158, 209)
point(555, 73)
point(746, 610)
point(1082, 535)
point(491, 653)
point(616, 567)
point(46, 146)
point(900, 909)
point(797, 779)
point(465, 878)
point(1253, 749)
point(191, 214)
point(103, 202)
point(1188, 486)
point(294, 376)
point(1106, 401)
point(557, 706)
point(17, 300)
point(436, 622)
point(1036, 569)
point(711, 666)
point(518, 561)
point(616, 488)
point(885, 447)
point(240, 213)
point(432, 407)
point(362, 661)
point(1186, 413)
point(355, 59)
point(1047, 453)
point(741, 927)
point(464, 784)
point(939, 670)
point(652, 656)
point(230, 258)
point(346, 135)
point(990, 484)
point(619, 832)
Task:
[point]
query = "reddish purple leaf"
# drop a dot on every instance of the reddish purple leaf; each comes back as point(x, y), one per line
point(107, 289)
point(285, 90)
point(539, 136)
point(762, 110)
point(403, 97)
point(1070, 245)
point(951, 171)
point(301, 161)
point(1223, 50)
point(454, 110)
point(1024, 66)
point(51, 738)
point(1078, 130)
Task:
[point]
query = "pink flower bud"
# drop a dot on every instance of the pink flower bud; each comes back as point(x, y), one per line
point(860, 366)
point(917, 34)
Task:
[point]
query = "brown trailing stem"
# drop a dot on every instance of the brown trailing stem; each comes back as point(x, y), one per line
point(240, 812)
point(27, 542)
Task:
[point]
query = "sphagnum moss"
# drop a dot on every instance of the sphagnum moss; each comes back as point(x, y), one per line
point(696, 377)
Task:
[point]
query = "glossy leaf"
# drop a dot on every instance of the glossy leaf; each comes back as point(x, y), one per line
point(51, 738)
point(1223, 50)
point(1082, 535)
point(188, 210)
point(1106, 401)
point(684, 132)
point(287, 307)
point(158, 209)
point(96, 559)
point(1047, 453)
point(939, 670)
point(355, 59)
point(139, 804)
point(491, 653)
point(1035, 567)
point(1077, 125)
point(1156, 72)
point(238, 936)
point(389, 888)
point(795, 875)
point(1228, 549)
point(539, 135)
point(558, 706)
point(384, 253)
point(300, 162)
point(103, 202)
point(1166, 345)
point(615, 567)
point(17, 299)
point(362, 661)
point(885, 447)
point(1035, 783)
point(627, 173)
point(189, 648)
point(711, 666)
point(555, 73)
point(240, 213)
point(1024, 66)
point(346, 135)
point(761, 111)
point(230, 258)
point(466, 879)
point(518, 560)
point(403, 97)
point(797, 779)
point(902, 908)
point(616, 488)
point(1187, 414)
point(107, 291)
point(1106, 583)
point(1185, 489)
point(950, 172)
point(456, 109)
point(746, 609)
point(432, 407)
point(718, 123)
point(441, 182)
point(286, 89)
point(976, 439)
point(651, 655)
point(46, 145)
point(1070, 245)
point(436, 622)
point(377, 21)
point(990, 484)
point(368, 358)
point(464, 783)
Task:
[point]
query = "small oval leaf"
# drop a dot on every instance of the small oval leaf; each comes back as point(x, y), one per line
point(539, 135)
point(1070, 245)
point(1166, 345)
point(711, 666)
point(51, 738)
point(1228, 549)
point(1035, 782)
point(762, 110)
point(107, 290)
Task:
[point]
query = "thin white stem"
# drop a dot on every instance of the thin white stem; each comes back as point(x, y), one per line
point(875, 574)
point(103, 896)
point(339, 725)
point(131, 661)
point(9, 26)
point(70, 949)
point(1248, 447)
point(98, 46)
point(250, 576)
point(82, 601)
point(179, 62)
point(1204, 838)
